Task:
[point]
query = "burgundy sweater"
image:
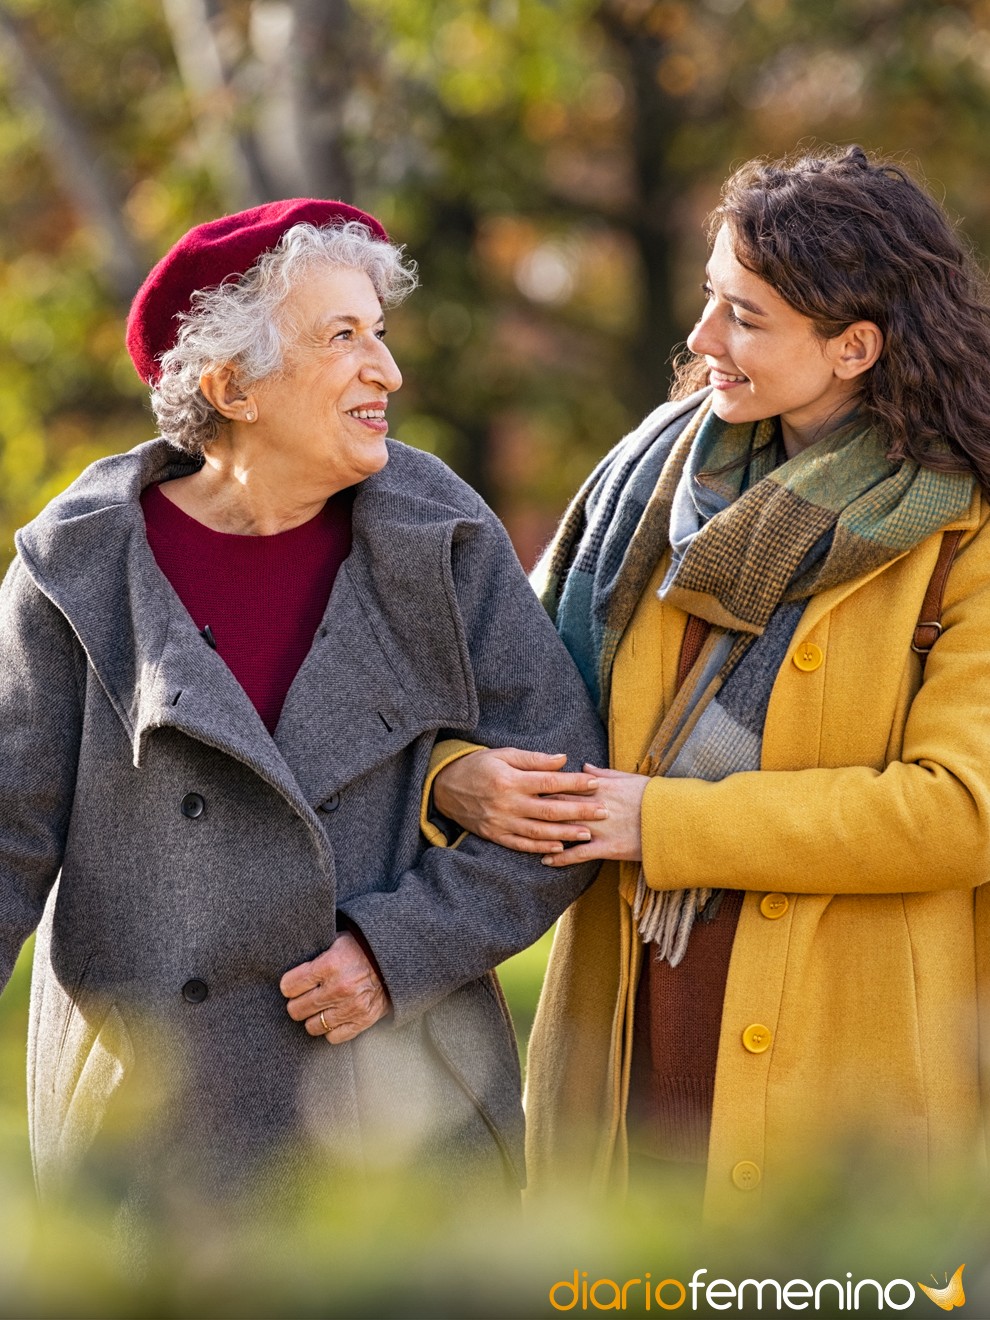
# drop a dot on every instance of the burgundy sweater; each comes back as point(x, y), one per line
point(261, 597)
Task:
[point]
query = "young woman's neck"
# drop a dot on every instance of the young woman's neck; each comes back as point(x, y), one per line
point(797, 438)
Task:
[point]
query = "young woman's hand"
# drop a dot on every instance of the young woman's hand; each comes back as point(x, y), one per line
point(618, 835)
point(522, 800)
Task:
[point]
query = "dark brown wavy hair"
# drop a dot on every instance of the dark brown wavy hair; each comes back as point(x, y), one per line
point(842, 238)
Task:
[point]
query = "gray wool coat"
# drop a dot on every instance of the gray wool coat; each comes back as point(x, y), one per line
point(198, 858)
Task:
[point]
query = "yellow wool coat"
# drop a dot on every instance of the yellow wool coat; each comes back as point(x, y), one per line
point(862, 956)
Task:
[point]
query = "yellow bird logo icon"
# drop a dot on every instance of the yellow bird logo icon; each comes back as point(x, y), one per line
point(951, 1295)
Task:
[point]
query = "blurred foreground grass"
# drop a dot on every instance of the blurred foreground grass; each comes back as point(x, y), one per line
point(521, 976)
point(521, 979)
point(359, 1252)
point(62, 1267)
point(15, 1164)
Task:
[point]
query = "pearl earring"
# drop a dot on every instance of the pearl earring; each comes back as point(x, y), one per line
point(250, 415)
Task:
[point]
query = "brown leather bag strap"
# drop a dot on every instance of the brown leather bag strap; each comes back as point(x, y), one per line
point(929, 625)
point(695, 634)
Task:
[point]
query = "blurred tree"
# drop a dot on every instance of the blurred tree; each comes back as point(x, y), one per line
point(548, 162)
point(93, 126)
point(74, 156)
point(207, 58)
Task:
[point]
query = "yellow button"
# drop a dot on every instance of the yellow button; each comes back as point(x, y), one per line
point(746, 1175)
point(757, 1038)
point(774, 905)
point(808, 656)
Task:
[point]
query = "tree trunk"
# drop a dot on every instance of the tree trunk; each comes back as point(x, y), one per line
point(208, 76)
point(325, 56)
point(76, 163)
point(656, 118)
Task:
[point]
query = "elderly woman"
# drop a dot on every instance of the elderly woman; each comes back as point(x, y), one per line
point(784, 969)
point(224, 660)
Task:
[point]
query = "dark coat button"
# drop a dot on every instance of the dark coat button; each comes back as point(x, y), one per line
point(194, 991)
point(193, 806)
point(332, 803)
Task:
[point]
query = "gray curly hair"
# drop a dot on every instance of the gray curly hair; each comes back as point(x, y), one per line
point(239, 322)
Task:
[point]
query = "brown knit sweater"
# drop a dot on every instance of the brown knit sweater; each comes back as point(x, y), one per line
point(676, 1027)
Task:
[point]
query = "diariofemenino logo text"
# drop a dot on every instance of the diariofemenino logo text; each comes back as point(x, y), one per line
point(646, 1294)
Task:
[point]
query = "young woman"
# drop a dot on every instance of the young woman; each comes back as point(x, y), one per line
point(785, 963)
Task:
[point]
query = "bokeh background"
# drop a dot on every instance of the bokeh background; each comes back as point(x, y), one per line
point(549, 164)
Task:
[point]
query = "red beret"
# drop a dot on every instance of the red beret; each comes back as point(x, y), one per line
point(206, 256)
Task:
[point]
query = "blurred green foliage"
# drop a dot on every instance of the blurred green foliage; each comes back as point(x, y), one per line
point(549, 163)
point(389, 1250)
point(328, 1257)
point(521, 979)
point(15, 1163)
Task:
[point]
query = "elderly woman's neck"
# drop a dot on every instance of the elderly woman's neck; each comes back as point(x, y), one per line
point(230, 493)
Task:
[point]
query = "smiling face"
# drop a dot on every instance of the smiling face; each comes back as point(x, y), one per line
point(765, 358)
point(323, 416)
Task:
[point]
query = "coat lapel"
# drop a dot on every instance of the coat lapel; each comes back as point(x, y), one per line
point(89, 553)
point(390, 660)
point(190, 688)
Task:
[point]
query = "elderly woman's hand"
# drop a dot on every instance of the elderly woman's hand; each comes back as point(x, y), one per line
point(510, 796)
point(337, 995)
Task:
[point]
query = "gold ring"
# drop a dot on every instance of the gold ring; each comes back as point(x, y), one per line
point(323, 1022)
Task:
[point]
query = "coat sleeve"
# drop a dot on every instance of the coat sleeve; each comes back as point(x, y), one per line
point(40, 721)
point(463, 910)
point(921, 823)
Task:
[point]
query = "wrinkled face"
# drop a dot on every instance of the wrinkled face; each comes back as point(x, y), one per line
point(324, 414)
point(764, 357)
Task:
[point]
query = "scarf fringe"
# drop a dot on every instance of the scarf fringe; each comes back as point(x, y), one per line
point(665, 919)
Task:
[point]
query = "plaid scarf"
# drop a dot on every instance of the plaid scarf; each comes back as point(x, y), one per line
point(750, 542)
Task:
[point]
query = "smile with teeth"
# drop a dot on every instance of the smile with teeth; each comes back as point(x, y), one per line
point(725, 380)
point(368, 414)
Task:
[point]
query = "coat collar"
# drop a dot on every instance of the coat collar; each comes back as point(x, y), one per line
point(389, 659)
point(825, 601)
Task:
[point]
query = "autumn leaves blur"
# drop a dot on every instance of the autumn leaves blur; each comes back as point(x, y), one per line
point(548, 162)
